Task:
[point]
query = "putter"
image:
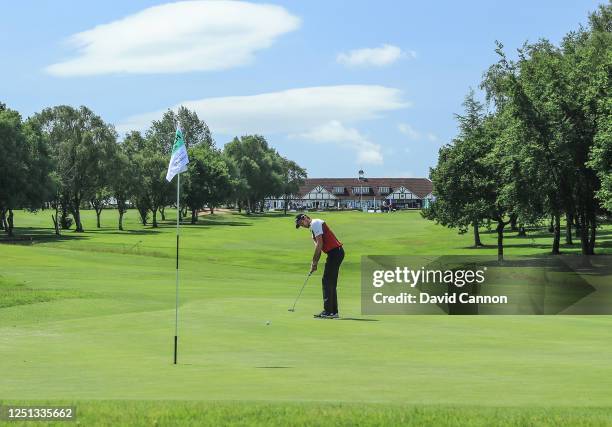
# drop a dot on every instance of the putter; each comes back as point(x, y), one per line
point(300, 294)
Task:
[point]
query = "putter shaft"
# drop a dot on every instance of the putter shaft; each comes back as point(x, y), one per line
point(300, 294)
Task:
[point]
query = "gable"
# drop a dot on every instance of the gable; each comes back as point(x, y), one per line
point(401, 193)
point(319, 193)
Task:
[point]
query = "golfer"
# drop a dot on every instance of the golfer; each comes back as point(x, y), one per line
point(325, 241)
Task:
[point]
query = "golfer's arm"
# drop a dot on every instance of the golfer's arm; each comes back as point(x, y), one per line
point(318, 249)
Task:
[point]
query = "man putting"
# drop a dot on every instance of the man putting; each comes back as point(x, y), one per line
point(325, 240)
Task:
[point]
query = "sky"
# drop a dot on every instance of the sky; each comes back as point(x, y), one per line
point(337, 86)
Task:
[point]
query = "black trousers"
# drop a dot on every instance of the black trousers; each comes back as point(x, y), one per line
point(330, 279)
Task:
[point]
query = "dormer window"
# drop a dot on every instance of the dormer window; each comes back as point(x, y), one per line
point(361, 190)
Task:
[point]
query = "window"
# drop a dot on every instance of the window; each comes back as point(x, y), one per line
point(338, 190)
point(384, 190)
point(361, 190)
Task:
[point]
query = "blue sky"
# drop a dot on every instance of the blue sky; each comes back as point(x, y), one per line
point(335, 85)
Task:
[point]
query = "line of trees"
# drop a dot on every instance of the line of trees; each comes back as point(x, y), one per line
point(544, 152)
point(65, 159)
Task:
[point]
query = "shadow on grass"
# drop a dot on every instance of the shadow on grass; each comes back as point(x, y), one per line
point(259, 215)
point(143, 232)
point(274, 367)
point(32, 235)
point(481, 247)
point(208, 222)
point(541, 233)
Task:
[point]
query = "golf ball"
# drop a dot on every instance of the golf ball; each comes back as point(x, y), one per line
point(267, 322)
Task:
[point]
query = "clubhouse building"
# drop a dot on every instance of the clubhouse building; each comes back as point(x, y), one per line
point(355, 193)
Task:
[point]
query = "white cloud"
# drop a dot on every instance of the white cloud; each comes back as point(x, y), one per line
point(378, 56)
point(409, 131)
point(315, 113)
point(336, 133)
point(178, 37)
point(289, 111)
point(414, 134)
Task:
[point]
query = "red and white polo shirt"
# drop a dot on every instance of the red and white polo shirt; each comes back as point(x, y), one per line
point(319, 227)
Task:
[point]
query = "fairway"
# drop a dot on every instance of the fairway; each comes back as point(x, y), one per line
point(90, 317)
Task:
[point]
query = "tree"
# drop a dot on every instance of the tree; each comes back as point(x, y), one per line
point(195, 131)
point(24, 168)
point(259, 166)
point(292, 177)
point(207, 181)
point(600, 157)
point(79, 142)
point(123, 183)
point(159, 139)
point(103, 193)
point(156, 191)
point(133, 146)
point(13, 165)
point(461, 181)
point(559, 96)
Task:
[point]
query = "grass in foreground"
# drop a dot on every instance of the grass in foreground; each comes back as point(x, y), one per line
point(247, 414)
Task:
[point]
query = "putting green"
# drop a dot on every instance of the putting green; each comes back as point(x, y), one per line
point(91, 317)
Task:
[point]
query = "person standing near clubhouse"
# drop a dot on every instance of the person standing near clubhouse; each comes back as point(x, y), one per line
point(325, 241)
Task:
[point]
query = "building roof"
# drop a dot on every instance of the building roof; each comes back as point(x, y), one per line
point(421, 187)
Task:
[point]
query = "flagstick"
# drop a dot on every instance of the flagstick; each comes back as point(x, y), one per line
point(178, 215)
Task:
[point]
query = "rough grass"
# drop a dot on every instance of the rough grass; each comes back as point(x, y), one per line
point(247, 414)
point(14, 294)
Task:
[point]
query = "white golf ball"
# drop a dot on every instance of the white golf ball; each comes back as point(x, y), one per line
point(267, 322)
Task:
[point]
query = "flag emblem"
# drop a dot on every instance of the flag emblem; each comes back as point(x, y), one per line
point(179, 159)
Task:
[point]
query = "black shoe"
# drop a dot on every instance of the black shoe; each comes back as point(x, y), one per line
point(325, 315)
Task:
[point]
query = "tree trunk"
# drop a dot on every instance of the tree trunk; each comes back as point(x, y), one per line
point(2, 219)
point(584, 237)
point(521, 230)
point(143, 215)
point(500, 240)
point(76, 213)
point(239, 206)
point(155, 218)
point(194, 216)
point(568, 229)
point(513, 219)
point(9, 222)
point(212, 209)
point(557, 235)
point(98, 212)
point(162, 211)
point(551, 227)
point(121, 219)
point(477, 241)
point(285, 203)
point(576, 227)
point(593, 232)
point(588, 227)
point(64, 218)
point(56, 223)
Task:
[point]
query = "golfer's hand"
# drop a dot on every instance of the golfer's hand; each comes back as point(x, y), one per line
point(313, 268)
